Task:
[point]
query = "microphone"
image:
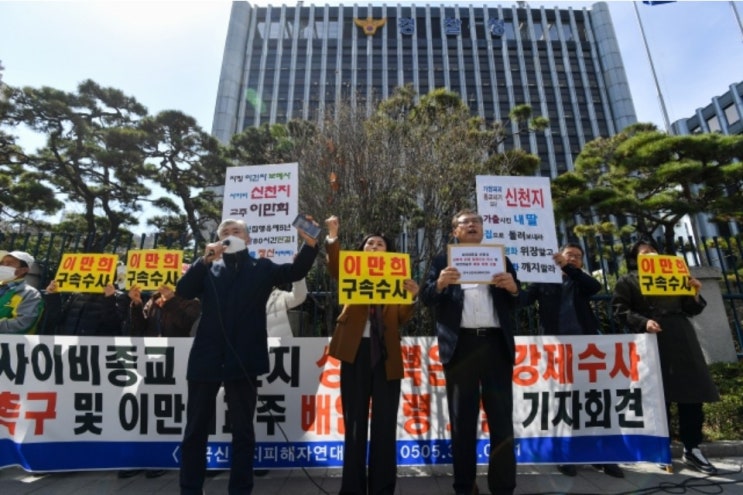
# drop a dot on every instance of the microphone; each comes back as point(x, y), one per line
point(225, 243)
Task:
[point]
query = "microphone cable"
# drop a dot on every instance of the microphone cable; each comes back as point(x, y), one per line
point(247, 375)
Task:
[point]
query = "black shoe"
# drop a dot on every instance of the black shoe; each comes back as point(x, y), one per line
point(154, 473)
point(474, 491)
point(567, 469)
point(128, 473)
point(612, 470)
point(695, 459)
point(260, 472)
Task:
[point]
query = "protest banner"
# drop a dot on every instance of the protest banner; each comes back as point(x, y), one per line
point(76, 403)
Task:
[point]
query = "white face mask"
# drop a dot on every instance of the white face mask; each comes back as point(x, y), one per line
point(235, 244)
point(7, 273)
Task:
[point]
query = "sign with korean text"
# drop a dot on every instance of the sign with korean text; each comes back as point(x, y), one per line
point(517, 212)
point(152, 268)
point(663, 275)
point(86, 272)
point(79, 403)
point(366, 277)
point(574, 397)
point(265, 197)
point(477, 263)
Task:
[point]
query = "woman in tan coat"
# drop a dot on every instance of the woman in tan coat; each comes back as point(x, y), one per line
point(359, 329)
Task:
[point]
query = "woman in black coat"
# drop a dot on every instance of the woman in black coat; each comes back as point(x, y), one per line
point(686, 378)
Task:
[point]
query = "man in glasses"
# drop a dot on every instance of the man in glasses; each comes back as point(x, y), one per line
point(565, 309)
point(20, 304)
point(476, 346)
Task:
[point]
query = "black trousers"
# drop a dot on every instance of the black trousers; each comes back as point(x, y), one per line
point(691, 421)
point(480, 368)
point(361, 383)
point(241, 396)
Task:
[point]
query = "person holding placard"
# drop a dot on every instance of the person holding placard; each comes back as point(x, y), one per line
point(366, 340)
point(475, 329)
point(686, 377)
point(165, 314)
point(21, 305)
point(565, 309)
point(230, 348)
point(91, 314)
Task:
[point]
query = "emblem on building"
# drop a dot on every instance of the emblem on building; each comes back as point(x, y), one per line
point(497, 27)
point(370, 25)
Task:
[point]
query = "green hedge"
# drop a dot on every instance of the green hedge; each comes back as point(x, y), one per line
point(724, 419)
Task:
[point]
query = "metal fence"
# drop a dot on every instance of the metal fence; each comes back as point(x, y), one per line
point(605, 258)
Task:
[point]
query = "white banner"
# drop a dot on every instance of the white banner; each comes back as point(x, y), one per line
point(71, 403)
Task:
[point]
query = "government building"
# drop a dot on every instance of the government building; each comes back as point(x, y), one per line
point(296, 62)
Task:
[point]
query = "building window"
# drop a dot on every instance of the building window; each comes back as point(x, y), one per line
point(731, 114)
point(713, 124)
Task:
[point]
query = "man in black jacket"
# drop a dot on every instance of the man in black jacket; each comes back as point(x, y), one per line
point(474, 325)
point(565, 309)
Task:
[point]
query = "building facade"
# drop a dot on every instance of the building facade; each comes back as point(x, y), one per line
point(724, 115)
point(283, 63)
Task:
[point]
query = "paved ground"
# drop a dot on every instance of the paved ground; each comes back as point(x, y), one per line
point(640, 479)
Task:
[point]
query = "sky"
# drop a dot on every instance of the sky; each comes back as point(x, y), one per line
point(168, 54)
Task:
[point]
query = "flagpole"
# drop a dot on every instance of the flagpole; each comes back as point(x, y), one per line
point(652, 69)
point(737, 17)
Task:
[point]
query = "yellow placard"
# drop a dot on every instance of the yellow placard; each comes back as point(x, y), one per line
point(86, 272)
point(663, 275)
point(366, 277)
point(152, 268)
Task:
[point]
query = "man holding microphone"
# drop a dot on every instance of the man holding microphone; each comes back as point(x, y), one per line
point(230, 347)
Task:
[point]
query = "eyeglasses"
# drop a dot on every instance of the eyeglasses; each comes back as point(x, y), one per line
point(471, 220)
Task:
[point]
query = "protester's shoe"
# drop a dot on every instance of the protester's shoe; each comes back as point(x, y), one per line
point(668, 468)
point(612, 470)
point(695, 459)
point(154, 473)
point(567, 469)
point(260, 472)
point(128, 473)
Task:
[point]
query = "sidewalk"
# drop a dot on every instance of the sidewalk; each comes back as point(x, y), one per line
point(421, 480)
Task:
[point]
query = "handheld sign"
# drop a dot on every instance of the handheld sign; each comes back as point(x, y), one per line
point(663, 275)
point(86, 272)
point(477, 263)
point(373, 278)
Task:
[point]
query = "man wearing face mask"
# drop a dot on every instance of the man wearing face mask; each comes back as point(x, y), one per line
point(230, 347)
point(20, 304)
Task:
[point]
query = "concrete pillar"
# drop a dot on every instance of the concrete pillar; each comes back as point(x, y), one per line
point(712, 326)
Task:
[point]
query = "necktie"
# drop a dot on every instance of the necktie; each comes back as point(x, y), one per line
point(377, 339)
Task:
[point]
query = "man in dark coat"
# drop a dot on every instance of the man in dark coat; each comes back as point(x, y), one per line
point(565, 309)
point(230, 347)
point(474, 325)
